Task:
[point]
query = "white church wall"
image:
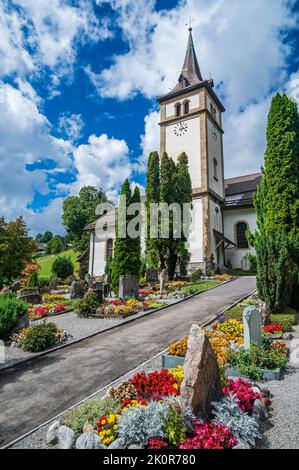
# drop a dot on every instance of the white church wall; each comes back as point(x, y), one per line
point(215, 223)
point(210, 102)
point(97, 266)
point(230, 219)
point(195, 241)
point(215, 152)
point(189, 142)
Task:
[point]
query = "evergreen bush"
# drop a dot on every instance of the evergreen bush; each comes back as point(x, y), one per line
point(62, 267)
point(11, 310)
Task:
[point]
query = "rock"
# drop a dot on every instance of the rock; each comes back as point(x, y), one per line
point(265, 313)
point(66, 437)
point(287, 336)
point(77, 290)
point(252, 327)
point(117, 444)
point(88, 428)
point(135, 446)
point(52, 434)
point(242, 445)
point(128, 286)
point(259, 412)
point(89, 440)
point(201, 384)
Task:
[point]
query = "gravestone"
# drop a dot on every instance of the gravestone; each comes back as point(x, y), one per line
point(209, 265)
point(33, 298)
point(128, 286)
point(89, 279)
point(265, 313)
point(163, 280)
point(106, 284)
point(97, 287)
point(201, 383)
point(252, 327)
point(15, 286)
point(53, 284)
point(77, 290)
point(151, 277)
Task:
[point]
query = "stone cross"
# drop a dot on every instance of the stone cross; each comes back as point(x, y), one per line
point(252, 327)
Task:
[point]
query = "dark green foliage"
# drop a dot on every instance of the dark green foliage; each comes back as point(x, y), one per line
point(250, 362)
point(11, 310)
point(89, 413)
point(173, 187)
point(16, 248)
point(44, 237)
point(33, 279)
point(152, 192)
point(39, 337)
point(277, 271)
point(196, 275)
point(87, 306)
point(127, 251)
point(62, 267)
point(55, 245)
point(78, 211)
point(277, 208)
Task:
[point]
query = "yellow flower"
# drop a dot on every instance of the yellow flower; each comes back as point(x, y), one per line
point(115, 426)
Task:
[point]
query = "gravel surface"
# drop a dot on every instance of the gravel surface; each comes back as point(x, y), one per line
point(281, 431)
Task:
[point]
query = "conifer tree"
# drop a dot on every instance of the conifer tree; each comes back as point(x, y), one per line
point(127, 251)
point(277, 207)
point(152, 192)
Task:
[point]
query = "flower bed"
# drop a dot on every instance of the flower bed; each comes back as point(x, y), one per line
point(147, 411)
point(122, 309)
point(45, 310)
point(39, 337)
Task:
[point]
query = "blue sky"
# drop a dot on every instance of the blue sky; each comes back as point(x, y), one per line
point(79, 78)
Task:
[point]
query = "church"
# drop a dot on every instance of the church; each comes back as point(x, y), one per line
point(223, 210)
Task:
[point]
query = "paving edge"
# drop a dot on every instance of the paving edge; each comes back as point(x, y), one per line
point(127, 320)
point(207, 323)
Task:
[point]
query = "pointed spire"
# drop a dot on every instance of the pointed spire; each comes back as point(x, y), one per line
point(190, 74)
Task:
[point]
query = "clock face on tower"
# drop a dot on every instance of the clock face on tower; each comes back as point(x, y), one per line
point(180, 128)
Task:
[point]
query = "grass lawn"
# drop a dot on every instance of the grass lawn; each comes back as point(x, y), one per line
point(45, 262)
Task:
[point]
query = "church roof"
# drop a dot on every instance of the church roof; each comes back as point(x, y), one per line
point(239, 191)
point(190, 77)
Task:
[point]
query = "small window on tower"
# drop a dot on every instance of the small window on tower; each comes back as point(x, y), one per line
point(217, 217)
point(241, 239)
point(186, 107)
point(215, 163)
point(177, 109)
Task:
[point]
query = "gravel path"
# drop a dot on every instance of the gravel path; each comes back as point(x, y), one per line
point(281, 431)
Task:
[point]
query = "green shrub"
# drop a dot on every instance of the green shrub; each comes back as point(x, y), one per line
point(43, 282)
point(89, 413)
point(39, 337)
point(287, 320)
point(196, 275)
point(62, 267)
point(87, 306)
point(33, 279)
point(250, 362)
point(11, 310)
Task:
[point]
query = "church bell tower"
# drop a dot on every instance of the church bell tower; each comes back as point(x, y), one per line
point(191, 122)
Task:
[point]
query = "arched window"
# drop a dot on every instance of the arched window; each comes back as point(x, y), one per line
point(215, 165)
point(177, 109)
point(241, 240)
point(186, 107)
point(109, 248)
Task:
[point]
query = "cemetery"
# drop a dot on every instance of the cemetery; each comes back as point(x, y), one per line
point(198, 402)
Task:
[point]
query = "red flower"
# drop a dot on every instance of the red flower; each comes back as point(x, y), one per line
point(241, 388)
point(273, 328)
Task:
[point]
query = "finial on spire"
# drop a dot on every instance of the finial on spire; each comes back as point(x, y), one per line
point(190, 24)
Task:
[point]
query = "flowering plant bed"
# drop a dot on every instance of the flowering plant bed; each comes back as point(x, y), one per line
point(39, 337)
point(147, 411)
point(46, 310)
point(122, 309)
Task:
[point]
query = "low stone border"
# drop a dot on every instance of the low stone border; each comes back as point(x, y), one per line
point(126, 320)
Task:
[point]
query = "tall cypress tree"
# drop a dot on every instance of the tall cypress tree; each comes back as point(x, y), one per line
point(135, 245)
point(277, 206)
point(152, 192)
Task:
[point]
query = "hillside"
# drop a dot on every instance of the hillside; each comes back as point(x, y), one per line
point(45, 262)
